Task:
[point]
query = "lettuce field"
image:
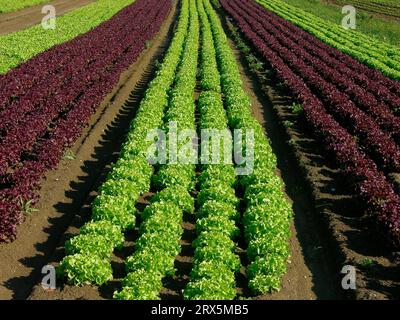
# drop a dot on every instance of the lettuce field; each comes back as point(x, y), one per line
point(198, 150)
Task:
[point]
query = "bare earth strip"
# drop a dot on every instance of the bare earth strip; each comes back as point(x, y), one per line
point(25, 18)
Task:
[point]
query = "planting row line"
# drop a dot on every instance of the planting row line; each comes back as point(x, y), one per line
point(35, 144)
point(268, 214)
point(370, 51)
point(316, 76)
point(20, 46)
point(379, 197)
point(161, 229)
point(215, 263)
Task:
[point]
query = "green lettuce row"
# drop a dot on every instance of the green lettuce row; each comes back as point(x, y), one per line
point(215, 262)
point(368, 50)
point(89, 253)
point(268, 213)
point(20, 46)
point(209, 74)
point(161, 230)
point(155, 252)
point(181, 110)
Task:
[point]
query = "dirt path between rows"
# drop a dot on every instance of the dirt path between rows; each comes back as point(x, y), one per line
point(67, 192)
point(25, 18)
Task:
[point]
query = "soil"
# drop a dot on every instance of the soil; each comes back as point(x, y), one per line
point(347, 236)
point(25, 18)
point(67, 192)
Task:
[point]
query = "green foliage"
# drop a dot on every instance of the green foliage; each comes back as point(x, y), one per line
point(90, 244)
point(119, 210)
point(175, 174)
point(80, 269)
point(218, 223)
point(210, 281)
point(215, 208)
point(111, 232)
point(140, 285)
point(214, 239)
point(26, 207)
point(221, 192)
point(215, 262)
point(265, 273)
point(178, 195)
point(268, 213)
point(224, 174)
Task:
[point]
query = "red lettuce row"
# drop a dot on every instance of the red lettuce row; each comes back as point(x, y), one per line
point(57, 121)
point(372, 186)
point(373, 139)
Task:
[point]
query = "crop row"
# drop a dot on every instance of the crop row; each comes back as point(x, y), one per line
point(131, 172)
point(15, 5)
point(20, 46)
point(161, 231)
point(268, 214)
point(368, 50)
point(379, 197)
point(34, 144)
point(320, 80)
point(215, 263)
